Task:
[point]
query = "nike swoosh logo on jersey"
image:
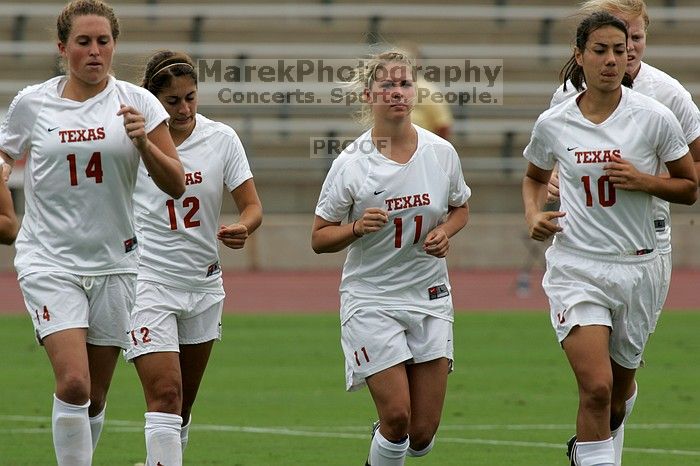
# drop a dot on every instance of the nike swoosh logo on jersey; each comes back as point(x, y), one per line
point(52, 129)
point(571, 148)
point(376, 193)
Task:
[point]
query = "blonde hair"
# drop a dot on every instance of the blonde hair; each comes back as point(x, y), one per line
point(632, 8)
point(366, 73)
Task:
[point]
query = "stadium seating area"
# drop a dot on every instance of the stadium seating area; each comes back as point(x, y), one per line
point(532, 41)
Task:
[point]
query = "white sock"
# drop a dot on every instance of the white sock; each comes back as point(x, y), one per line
point(70, 425)
point(382, 452)
point(618, 434)
point(185, 434)
point(423, 452)
point(163, 439)
point(600, 453)
point(96, 424)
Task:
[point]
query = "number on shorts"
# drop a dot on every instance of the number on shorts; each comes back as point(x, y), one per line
point(93, 169)
point(44, 315)
point(606, 197)
point(144, 336)
point(398, 221)
point(364, 353)
point(187, 202)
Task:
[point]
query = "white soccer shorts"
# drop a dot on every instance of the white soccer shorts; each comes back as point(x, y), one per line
point(165, 318)
point(623, 294)
point(375, 339)
point(58, 301)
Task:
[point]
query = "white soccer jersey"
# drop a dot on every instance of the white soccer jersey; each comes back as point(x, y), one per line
point(177, 237)
point(658, 85)
point(388, 268)
point(600, 219)
point(79, 177)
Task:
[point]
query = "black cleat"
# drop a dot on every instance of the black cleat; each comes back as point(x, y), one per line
point(375, 426)
point(571, 450)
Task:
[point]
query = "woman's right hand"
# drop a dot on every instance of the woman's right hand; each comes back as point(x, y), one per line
point(373, 219)
point(541, 226)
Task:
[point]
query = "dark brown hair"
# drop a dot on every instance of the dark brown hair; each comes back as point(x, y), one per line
point(572, 71)
point(163, 66)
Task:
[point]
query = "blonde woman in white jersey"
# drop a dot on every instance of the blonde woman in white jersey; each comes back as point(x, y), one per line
point(179, 293)
point(604, 273)
point(402, 192)
point(658, 85)
point(77, 251)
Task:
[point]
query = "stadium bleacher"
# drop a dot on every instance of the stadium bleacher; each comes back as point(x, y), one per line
point(532, 40)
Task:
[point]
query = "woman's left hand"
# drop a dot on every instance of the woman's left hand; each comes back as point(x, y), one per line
point(135, 126)
point(437, 243)
point(233, 236)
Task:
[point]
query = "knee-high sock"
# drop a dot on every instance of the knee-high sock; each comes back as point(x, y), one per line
point(382, 452)
point(598, 453)
point(185, 434)
point(423, 452)
point(618, 434)
point(70, 425)
point(163, 439)
point(96, 424)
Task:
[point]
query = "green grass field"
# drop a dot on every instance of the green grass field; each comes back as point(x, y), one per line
point(274, 395)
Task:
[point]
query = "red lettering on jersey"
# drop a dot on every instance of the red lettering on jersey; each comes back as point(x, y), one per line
point(82, 135)
point(193, 178)
point(597, 156)
point(407, 202)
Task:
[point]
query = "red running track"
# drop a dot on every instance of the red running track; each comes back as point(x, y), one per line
point(304, 291)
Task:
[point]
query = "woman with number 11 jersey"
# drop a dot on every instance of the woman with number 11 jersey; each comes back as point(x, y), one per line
point(403, 192)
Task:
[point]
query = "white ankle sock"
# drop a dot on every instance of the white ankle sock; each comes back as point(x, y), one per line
point(71, 433)
point(163, 439)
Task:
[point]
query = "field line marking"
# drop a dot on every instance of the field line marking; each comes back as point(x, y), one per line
point(132, 426)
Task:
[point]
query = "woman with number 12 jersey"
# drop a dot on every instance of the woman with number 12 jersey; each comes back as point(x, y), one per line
point(179, 292)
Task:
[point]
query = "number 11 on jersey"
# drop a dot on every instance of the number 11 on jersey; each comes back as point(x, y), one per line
point(398, 236)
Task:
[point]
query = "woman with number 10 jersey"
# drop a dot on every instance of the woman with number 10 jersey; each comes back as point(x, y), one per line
point(604, 273)
point(179, 292)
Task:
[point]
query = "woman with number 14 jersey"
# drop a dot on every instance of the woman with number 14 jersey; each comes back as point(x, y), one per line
point(179, 292)
point(85, 134)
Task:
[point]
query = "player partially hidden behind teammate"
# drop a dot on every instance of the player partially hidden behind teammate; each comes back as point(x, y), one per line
point(180, 294)
point(8, 220)
point(658, 85)
point(604, 274)
point(76, 251)
point(402, 190)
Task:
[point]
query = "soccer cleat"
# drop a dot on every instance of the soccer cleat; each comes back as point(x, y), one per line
point(375, 426)
point(571, 450)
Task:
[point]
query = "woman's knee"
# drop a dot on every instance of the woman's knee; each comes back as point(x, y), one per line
point(165, 396)
point(73, 387)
